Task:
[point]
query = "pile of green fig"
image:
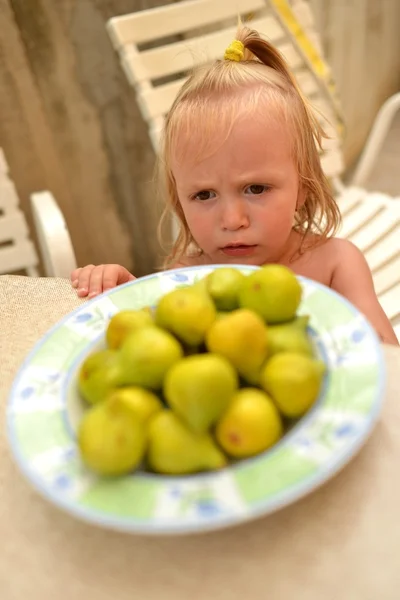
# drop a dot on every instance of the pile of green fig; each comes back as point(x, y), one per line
point(215, 373)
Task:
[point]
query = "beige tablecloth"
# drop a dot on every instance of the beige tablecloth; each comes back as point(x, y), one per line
point(340, 543)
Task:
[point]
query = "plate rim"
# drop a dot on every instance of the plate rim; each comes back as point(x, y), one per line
point(261, 508)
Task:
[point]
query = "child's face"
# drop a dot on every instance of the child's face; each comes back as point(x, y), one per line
point(239, 202)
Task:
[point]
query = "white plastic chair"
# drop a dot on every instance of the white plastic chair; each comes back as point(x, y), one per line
point(17, 251)
point(372, 222)
point(156, 65)
point(54, 241)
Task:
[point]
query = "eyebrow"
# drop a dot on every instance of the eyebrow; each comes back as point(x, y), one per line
point(250, 178)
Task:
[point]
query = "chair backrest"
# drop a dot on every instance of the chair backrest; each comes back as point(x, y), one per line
point(159, 46)
point(372, 222)
point(17, 252)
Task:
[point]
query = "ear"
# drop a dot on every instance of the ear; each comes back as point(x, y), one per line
point(301, 197)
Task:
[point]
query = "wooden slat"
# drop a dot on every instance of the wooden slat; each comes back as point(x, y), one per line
point(357, 218)
point(383, 251)
point(332, 163)
point(12, 227)
point(388, 276)
point(304, 14)
point(8, 194)
point(183, 55)
point(291, 55)
point(147, 25)
point(306, 82)
point(145, 68)
point(331, 144)
point(349, 199)
point(155, 135)
point(15, 258)
point(17, 252)
point(323, 113)
point(137, 71)
point(157, 101)
point(381, 225)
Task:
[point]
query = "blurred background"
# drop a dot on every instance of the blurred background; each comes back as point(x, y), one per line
point(69, 121)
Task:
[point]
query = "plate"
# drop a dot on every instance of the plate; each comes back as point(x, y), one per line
point(43, 410)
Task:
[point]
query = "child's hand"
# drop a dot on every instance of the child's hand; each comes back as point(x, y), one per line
point(90, 280)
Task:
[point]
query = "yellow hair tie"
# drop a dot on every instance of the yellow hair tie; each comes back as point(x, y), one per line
point(235, 51)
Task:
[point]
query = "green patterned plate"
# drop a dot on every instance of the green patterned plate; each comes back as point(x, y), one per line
point(44, 407)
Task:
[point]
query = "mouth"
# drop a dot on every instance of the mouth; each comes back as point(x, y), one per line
point(238, 249)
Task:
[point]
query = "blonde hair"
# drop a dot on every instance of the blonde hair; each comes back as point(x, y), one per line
point(210, 96)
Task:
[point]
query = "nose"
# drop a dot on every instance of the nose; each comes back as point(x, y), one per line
point(234, 214)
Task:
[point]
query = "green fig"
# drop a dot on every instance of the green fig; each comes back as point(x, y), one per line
point(250, 425)
point(125, 322)
point(223, 285)
point(200, 286)
point(174, 449)
point(273, 292)
point(199, 388)
point(293, 381)
point(142, 402)
point(146, 356)
point(99, 374)
point(290, 337)
point(241, 337)
point(111, 439)
point(187, 313)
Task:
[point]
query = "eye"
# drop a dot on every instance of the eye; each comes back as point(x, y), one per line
point(256, 189)
point(203, 195)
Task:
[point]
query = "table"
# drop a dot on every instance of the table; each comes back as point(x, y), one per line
point(341, 542)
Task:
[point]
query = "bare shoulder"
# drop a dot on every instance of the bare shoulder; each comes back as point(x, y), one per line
point(340, 257)
point(323, 259)
point(353, 279)
point(339, 248)
point(344, 247)
point(346, 257)
point(346, 264)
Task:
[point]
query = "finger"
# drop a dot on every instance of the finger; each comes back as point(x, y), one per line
point(75, 277)
point(84, 280)
point(124, 275)
point(96, 281)
point(113, 275)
